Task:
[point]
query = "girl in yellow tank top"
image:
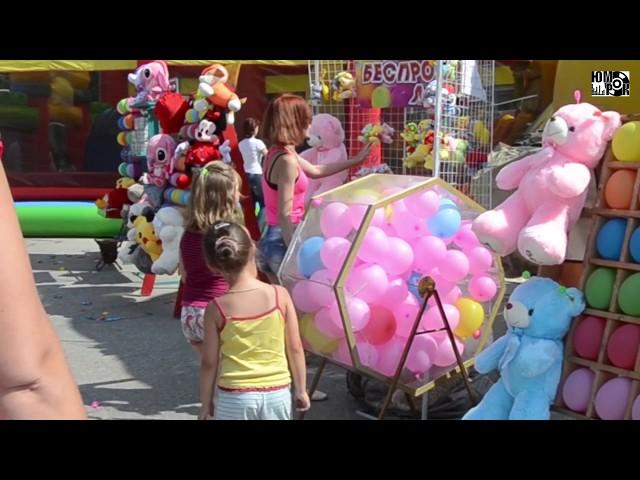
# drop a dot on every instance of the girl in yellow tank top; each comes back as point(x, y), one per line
point(252, 348)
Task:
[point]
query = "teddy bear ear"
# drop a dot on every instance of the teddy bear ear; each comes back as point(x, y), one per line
point(577, 301)
point(612, 123)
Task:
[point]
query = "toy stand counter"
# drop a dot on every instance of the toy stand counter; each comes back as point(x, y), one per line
point(601, 375)
point(390, 282)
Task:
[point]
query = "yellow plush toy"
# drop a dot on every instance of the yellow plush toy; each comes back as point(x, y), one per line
point(146, 235)
point(343, 84)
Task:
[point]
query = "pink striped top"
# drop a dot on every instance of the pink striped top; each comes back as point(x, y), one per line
point(270, 190)
point(201, 285)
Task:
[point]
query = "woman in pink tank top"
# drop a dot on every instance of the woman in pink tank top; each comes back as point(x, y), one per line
point(285, 181)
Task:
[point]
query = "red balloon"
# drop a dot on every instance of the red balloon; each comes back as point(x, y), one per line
point(588, 336)
point(381, 326)
point(623, 346)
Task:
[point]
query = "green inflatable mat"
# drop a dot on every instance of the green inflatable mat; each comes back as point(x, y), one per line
point(65, 219)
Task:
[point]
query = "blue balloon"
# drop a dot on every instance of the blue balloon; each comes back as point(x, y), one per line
point(634, 245)
point(412, 283)
point(610, 238)
point(446, 222)
point(309, 261)
point(445, 202)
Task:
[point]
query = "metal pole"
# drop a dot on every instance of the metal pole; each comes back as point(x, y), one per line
point(426, 294)
point(437, 121)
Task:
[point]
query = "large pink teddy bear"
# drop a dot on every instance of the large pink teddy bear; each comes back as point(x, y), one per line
point(551, 186)
point(326, 138)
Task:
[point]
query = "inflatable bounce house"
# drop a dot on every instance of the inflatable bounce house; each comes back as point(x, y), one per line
point(64, 135)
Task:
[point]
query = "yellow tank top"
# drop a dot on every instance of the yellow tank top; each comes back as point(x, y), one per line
point(252, 351)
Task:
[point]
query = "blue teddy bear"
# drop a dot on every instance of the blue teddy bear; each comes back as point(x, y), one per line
point(529, 356)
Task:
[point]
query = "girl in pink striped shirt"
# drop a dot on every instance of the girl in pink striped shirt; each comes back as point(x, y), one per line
point(215, 195)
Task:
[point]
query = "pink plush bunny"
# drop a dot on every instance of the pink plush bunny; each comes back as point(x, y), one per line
point(551, 186)
point(326, 138)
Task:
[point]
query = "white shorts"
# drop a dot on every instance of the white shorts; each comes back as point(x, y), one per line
point(269, 405)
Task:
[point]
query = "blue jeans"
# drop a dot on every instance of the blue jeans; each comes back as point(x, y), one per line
point(272, 250)
point(255, 183)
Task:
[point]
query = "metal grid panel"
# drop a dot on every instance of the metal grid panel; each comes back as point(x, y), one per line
point(469, 118)
point(468, 115)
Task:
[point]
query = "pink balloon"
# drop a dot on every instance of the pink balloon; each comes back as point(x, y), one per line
point(300, 293)
point(334, 220)
point(397, 291)
point(399, 257)
point(423, 204)
point(408, 226)
point(357, 212)
point(320, 287)
point(399, 207)
point(382, 326)
point(432, 320)
point(388, 229)
point(455, 266)
point(325, 324)
point(389, 356)
point(635, 410)
point(374, 245)
point(576, 390)
point(405, 314)
point(368, 282)
point(334, 252)
point(428, 253)
point(445, 356)
point(587, 337)
point(378, 218)
point(482, 288)
point(480, 260)
point(443, 286)
point(454, 294)
point(368, 354)
point(622, 347)
point(342, 353)
point(423, 349)
point(357, 310)
point(466, 239)
point(611, 399)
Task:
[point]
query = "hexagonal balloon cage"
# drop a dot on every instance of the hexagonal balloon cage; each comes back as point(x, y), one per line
point(353, 268)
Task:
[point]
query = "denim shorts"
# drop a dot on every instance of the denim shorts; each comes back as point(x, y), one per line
point(272, 250)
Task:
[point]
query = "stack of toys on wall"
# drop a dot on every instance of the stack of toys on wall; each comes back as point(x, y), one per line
point(166, 139)
point(400, 96)
point(353, 270)
point(602, 364)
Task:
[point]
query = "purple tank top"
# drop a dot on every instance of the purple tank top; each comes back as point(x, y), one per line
point(202, 285)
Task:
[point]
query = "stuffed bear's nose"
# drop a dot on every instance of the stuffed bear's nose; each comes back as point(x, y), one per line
point(509, 306)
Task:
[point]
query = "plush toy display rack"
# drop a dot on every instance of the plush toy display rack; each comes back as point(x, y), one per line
point(613, 316)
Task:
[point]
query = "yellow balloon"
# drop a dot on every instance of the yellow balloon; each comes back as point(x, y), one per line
point(471, 317)
point(316, 340)
point(626, 142)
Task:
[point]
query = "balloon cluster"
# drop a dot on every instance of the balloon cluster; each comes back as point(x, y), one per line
point(421, 234)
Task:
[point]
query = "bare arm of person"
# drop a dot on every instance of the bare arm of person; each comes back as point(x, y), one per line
point(295, 352)
point(321, 171)
point(209, 365)
point(35, 379)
